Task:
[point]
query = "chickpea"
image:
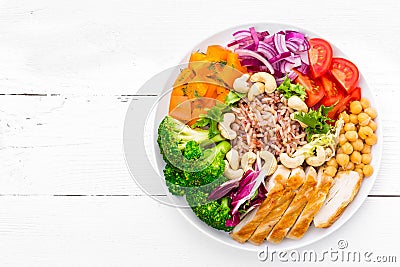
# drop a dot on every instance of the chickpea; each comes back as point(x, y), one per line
point(353, 118)
point(330, 171)
point(366, 158)
point(360, 172)
point(365, 131)
point(355, 107)
point(342, 139)
point(351, 136)
point(359, 166)
point(368, 170)
point(349, 126)
point(350, 166)
point(342, 131)
point(372, 125)
point(358, 145)
point(339, 151)
point(371, 140)
point(332, 162)
point(355, 157)
point(366, 149)
point(364, 103)
point(363, 119)
point(342, 159)
point(345, 117)
point(371, 112)
point(347, 148)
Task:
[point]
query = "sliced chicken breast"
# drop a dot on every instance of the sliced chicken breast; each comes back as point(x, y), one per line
point(298, 206)
point(294, 181)
point(312, 207)
point(275, 186)
point(345, 187)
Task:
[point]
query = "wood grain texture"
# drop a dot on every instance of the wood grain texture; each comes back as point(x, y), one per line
point(68, 71)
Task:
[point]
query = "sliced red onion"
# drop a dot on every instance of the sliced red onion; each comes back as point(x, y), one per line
point(282, 52)
point(246, 52)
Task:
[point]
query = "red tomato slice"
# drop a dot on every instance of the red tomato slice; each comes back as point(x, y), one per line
point(314, 90)
point(320, 56)
point(345, 72)
point(333, 94)
point(354, 95)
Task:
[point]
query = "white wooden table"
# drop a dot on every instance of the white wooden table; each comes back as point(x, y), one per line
point(68, 71)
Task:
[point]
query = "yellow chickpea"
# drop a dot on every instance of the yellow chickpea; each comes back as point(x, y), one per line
point(347, 148)
point(345, 117)
point(349, 126)
point(339, 151)
point(363, 119)
point(342, 139)
point(364, 132)
point(366, 149)
point(371, 140)
point(368, 170)
point(360, 172)
point(332, 162)
point(366, 158)
point(353, 118)
point(355, 107)
point(359, 166)
point(371, 112)
point(330, 171)
point(350, 166)
point(364, 103)
point(372, 125)
point(355, 157)
point(342, 159)
point(351, 136)
point(358, 145)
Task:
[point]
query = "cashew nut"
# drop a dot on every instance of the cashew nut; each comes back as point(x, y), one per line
point(247, 161)
point(319, 159)
point(241, 85)
point(233, 158)
point(232, 174)
point(301, 123)
point(266, 78)
point(270, 163)
point(296, 103)
point(255, 90)
point(225, 126)
point(290, 162)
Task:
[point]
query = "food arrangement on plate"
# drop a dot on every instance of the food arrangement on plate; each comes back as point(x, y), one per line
point(267, 135)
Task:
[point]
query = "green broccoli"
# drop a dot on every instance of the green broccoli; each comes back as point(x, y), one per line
point(214, 213)
point(208, 164)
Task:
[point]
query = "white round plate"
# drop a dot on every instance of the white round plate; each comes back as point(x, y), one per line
point(313, 234)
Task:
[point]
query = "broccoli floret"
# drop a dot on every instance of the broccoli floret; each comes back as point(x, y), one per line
point(213, 169)
point(173, 136)
point(214, 213)
point(210, 166)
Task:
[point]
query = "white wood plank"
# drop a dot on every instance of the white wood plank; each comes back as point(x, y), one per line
point(126, 231)
point(113, 47)
point(73, 145)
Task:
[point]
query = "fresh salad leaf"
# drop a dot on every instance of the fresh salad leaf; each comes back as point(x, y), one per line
point(316, 121)
point(233, 97)
point(211, 119)
point(289, 89)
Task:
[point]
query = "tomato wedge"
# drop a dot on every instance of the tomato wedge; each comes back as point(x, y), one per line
point(314, 89)
point(333, 93)
point(345, 72)
point(354, 95)
point(320, 57)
